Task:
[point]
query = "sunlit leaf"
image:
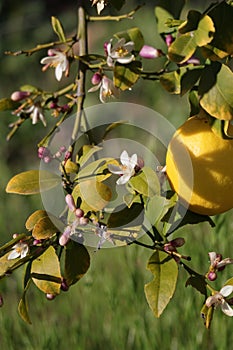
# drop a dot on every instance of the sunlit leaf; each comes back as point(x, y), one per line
point(44, 228)
point(125, 76)
point(218, 99)
point(77, 262)
point(171, 81)
point(87, 152)
point(34, 218)
point(146, 182)
point(205, 31)
point(32, 182)
point(133, 34)
point(58, 29)
point(157, 207)
point(46, 268)
point(161, 289)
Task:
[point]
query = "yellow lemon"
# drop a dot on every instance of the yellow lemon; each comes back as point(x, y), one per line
point(199, 167)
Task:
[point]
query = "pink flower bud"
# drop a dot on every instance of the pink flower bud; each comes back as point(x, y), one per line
point(79, 213)
point(36, 241)
point(177, 242)
point(96, 78)
point(212, 276)
point(19, 95)
point(51, 52)
point(65, 237)
point(47, 159)
point(64, 285)
point(150, 52)
point(50, 296)
point(70, 202)
point(43, 152)
point(62, 149)
point(169, 39)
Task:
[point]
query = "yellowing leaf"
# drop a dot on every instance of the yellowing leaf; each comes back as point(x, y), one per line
point(161, 289)
point(125, 76)
point(32, 182)
point(146, 182)
point(95, 194)
point(34, 218)
point(45, 272)
point(44, 228)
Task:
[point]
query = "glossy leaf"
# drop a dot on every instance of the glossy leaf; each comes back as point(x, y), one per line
point(126, 217)
point(146, 182)
point(32, 182)
point(93, 170)
point(58, 29)
point(125, 76)
point(133, 34)
point(161, 289)
point(44, 228)
point(46, 271)
point(34, 218)
point(77, 262)
point(218, 100)
point(95, 195)
point(6, 104)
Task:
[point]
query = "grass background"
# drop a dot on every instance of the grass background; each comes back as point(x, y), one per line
point(107, 309)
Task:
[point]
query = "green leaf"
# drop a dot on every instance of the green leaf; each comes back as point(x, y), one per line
point(229, 282)
point(6, 104)
point(23, 305)
point(77, 262)
point(125, 76)
point(29, 88)
point(162, 16)
point(218, 99)
point(185, 45)
point(174, 8)
point(207, 315)
point(34, 218)
point(95, 195)
point(58, 29)
point(146, 182)
point(44, 228)
point(222, 16)
point(157, 207)
point(194, 102)
point(86, 153)
point(161, 289)
point(133, 34)
point(32, 182)
point(171, 82)
point(93, 170)
point(126, 217)
point(197, 282)
point(46, 271)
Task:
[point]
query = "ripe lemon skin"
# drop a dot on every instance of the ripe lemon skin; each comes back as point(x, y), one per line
point(199, 165)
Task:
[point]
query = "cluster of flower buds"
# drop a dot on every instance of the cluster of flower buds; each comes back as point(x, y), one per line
point(216, 264)
point(171, 246)
point(80, 220)
point(45, 154)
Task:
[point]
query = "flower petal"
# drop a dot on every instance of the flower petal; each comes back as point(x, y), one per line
point(13, 255)
point(134, 160)
point(227, 309)
point(123, 179)
point(226, 290)
point(212, 256)
point(58, 72)
point(114, 169)
point(124, 158)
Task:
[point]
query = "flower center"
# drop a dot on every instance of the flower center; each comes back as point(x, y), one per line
point(121, 51)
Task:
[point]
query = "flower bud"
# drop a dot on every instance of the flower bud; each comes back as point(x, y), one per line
point(169, 39)
point(64, 285)
point(65, 237)
point(177, 242)
point(43, 152)
point(70, 202)
point(62, 149)
point(47, 159)
point(50, 296)
point(79, 213)
point(212, 276)
point(96, 78)
point(19, 95)
point(150, 52)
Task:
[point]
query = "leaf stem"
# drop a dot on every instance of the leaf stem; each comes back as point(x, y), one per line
point(115, 18)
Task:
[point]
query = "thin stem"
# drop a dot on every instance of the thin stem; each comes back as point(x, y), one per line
point(115, 18)
point(82, 36)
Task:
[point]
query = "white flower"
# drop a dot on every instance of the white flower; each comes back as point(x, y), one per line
point(36, 114)
point(20, 250)
point(99, 5)
point(58, 60)
point(102, 232)
point(218, 299)
point(120, 52)
point(217, 262)
point(107, 89)
point(126, 170)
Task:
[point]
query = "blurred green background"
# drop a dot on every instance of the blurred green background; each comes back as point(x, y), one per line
point(107, 309)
